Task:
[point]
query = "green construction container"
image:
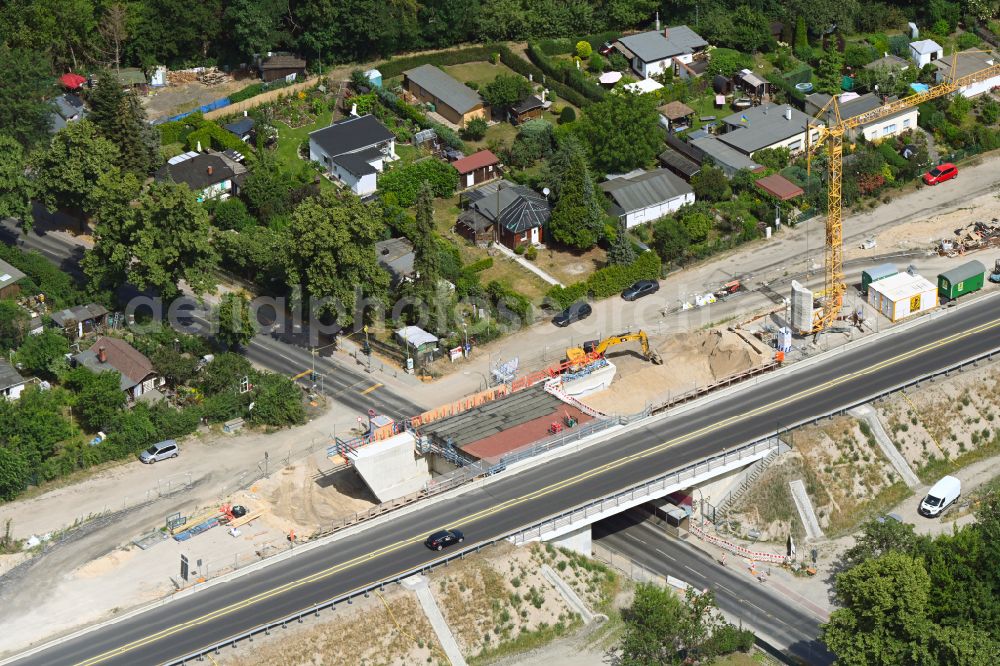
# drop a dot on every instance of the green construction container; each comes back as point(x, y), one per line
point(872, 274)
point(961, 280)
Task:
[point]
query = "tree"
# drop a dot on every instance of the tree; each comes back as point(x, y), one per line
point(224, 373)
point(255, 24)
point(405, 182)
point(989, 111)
point(98, 397)
point(277, 401)
point(697, 222)
point(113, 29)
point(67, 170)
point(670, 240)
point(120, 118)
point(475, 129)
point(596, 63)
point(171, 240)
point(13, 325)
point(236, 323)
point(621, 252)
point(425, 250)
point(773, 158)
point(567, 115)
point(751, 30)
point(231, 213)
point(711, 184)
point(26, 86)
point(38, 352)
point(728, 61)
point(830, 72)
point(14, 473)
point(15, 188)
point(623, 131)
point(883, 614)
point(858, 55)
point(173, 366)
point(505, 91)
point(332, 253)
point(879, 537)
point(958, 109)
point(801, 35)
point(578, 216)
point(107, 263)
point(584, 49)
point(267, 188)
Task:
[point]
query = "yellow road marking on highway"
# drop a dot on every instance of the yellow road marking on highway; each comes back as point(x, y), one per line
point(541, 492)
point(371, 388)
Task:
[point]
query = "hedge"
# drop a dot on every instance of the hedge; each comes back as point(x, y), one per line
point(255, 89)
point(801, 75)
point(43, 276)
point(479, 266)
point(409, 112)
point(194, 129)
point(607, 281)
point(397, 66)
point(571, 76)
point(524, 68)
point(565, 45)
point(794, 95)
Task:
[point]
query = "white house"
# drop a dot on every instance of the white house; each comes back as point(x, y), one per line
point(925, 52)
point(768, 126)
point(651, 53)
point(645, 196)
point(354, 150)
point(970, 62)
point(852, 105)
point(11, 383)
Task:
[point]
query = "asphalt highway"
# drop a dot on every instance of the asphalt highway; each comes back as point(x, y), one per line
point(519, 499)
point(786, 625)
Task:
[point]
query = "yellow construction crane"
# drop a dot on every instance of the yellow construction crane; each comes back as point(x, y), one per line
point(831, 132)
point(581, 356)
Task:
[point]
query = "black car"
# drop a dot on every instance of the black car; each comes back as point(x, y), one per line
point(443, 539)
point(573, 313)
point(640, 289)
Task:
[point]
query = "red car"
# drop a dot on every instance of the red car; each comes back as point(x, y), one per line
point(941, 173)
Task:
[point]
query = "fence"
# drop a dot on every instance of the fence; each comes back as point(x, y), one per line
point(625, 565)
point(263, 98)
point(702, 390)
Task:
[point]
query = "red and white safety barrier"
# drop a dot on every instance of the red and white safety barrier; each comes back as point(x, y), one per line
point(753, 555)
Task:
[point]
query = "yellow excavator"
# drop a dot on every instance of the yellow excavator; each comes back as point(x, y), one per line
point(591, 351)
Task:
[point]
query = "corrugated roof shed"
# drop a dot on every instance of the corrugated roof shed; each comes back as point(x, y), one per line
point(779, 186)
point(457, 95)
point(646, 189)
point(8, 274)
point(475, 161)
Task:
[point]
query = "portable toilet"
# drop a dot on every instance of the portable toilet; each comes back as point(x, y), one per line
point(375, 77)
point(961, 280)
point(872, 274)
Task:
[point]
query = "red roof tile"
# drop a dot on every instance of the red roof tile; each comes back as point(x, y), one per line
point(475, 161)
point(779, 186)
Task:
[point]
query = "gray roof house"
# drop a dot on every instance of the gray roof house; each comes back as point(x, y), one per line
point(68, 108)
point(396, 256)
point(645, 196)
point(653, 51)
point(969, 62)
point(11, 382)
point(522, 217)
point(453, 100)
point(210, 175)
point(857, 105)
point(9, 276)
point(767, 126)
point(725, 157)
point(890, 62)
point(354, 151)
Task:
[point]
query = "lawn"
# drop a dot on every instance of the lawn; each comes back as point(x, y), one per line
point(479, 72)
point(568, 266)
point(705, 106)
point(289, 139)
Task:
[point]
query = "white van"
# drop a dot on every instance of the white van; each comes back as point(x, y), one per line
point(940, 497)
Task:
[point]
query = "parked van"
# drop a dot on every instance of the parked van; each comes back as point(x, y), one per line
point(940, 497)
point(160, 451)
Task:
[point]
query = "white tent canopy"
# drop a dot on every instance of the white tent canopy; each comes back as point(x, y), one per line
point(415, 337)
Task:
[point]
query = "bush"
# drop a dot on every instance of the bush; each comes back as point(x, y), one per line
point(475, 129)
point(405, 181)
point(251, 90)
point(567, 115)
point(531, 253)
point(43, 276)
point(397, 66)
point(583, 49)
point(232, 213)
point(596, 63)
point(967, 40)
point(479, 266)
point(607, 281)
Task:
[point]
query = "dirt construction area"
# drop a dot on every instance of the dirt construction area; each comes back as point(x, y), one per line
point(690, 360)
point(174, 99)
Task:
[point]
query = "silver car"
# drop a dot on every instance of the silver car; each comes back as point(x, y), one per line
point(161, 451)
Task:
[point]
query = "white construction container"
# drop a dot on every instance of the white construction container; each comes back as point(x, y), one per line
point(901, 295)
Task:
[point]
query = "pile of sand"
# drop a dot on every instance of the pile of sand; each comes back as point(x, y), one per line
point(690, 360)
point(299, 498)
